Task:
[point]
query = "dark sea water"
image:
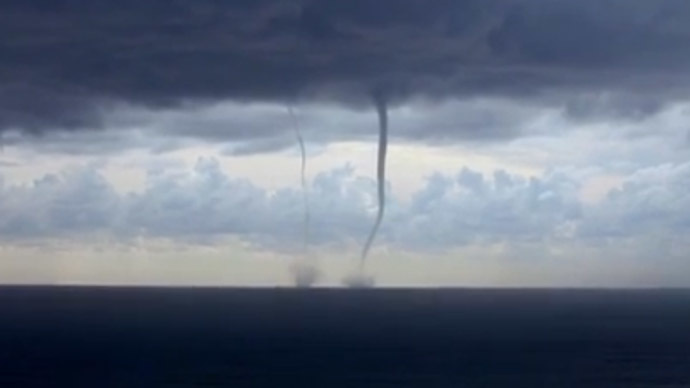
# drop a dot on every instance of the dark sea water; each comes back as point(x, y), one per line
point(175, 337)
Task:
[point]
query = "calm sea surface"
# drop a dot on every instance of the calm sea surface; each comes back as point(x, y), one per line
point(177, 337)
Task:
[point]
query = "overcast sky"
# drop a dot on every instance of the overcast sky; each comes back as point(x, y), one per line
point(532, 143)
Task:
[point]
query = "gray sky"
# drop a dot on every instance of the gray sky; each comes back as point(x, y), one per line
point(532, 142)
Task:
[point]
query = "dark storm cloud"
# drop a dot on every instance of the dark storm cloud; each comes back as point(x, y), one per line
point(63, 62)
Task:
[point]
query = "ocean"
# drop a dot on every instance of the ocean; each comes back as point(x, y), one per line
point(227, 337)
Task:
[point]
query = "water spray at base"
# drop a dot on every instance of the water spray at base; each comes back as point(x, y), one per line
point(359, 279)
point(304, 271)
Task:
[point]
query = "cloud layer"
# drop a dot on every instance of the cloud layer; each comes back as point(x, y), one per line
point(66, 63)
point(465, 209)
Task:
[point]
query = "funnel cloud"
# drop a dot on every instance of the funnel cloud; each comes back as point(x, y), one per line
point(303, 179)
point(305, 272)
point(381, 110)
